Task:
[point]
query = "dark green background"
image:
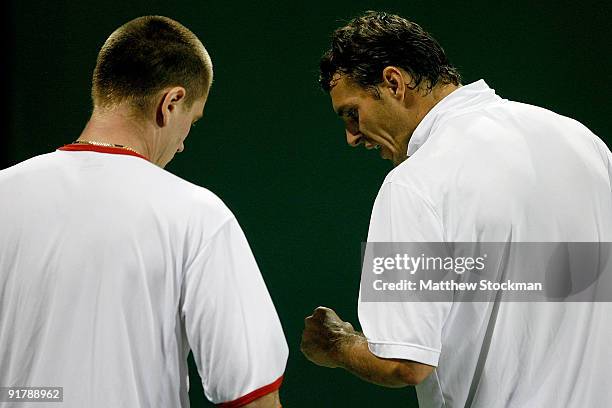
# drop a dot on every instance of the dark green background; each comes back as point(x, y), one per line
point(269, 144)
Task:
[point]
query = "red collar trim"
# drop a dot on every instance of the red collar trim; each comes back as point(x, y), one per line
point(253, 395)
point(73, 147)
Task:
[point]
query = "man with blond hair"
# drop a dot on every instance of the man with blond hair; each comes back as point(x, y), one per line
point(112, 269)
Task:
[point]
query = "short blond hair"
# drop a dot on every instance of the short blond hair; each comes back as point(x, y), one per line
point(146, 55)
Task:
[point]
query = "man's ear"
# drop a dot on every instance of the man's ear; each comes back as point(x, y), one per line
point(169, 101)
point(393, 81)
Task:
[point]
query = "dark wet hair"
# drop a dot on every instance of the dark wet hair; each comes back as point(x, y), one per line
point(368, 44)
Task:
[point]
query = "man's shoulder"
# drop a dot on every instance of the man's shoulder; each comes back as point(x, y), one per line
point(25, 172)
point(203, 198)
point(505, 114)
point(178, 192)
point(27, 165)
point(125, 178)
point(406, 178)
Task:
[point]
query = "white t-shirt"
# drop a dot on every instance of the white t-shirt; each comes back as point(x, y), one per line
point(485, 169)
point(111, 269)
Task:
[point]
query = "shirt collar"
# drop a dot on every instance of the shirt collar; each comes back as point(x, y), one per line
point(100, 149)
point(467, 96)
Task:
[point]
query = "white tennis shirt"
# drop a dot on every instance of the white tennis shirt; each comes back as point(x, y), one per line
point(485, 169)
point(111, 269)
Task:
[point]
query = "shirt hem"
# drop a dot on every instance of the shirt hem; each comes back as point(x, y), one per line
point(405, 352)
point(253, 395)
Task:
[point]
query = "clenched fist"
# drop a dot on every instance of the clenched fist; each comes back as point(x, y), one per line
point(324, 336)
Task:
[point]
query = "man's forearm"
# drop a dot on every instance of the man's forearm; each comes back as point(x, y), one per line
point(355, 356)
point(330, 342)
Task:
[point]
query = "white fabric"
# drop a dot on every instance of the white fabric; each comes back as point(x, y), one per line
point(111, 269)
point(482, 168)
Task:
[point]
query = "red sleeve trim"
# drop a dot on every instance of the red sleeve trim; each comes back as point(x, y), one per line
point(253, 395)
point(100, 149)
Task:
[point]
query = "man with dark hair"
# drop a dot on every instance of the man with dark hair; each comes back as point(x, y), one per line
point(470, 167)
point(380, 46)
point(112, 269)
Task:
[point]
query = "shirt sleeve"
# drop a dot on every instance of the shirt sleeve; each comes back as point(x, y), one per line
point(404, 330)
point(231, 323)
point(606, 155)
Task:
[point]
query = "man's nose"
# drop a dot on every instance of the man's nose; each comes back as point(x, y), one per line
point(353, 140)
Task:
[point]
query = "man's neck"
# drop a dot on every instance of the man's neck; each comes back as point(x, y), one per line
point(438, 93)
point(116, 127)
point(425, 105)
point(430, 100)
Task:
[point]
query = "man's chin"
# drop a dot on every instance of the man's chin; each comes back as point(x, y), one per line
point(387, 155)
point(398, 161)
